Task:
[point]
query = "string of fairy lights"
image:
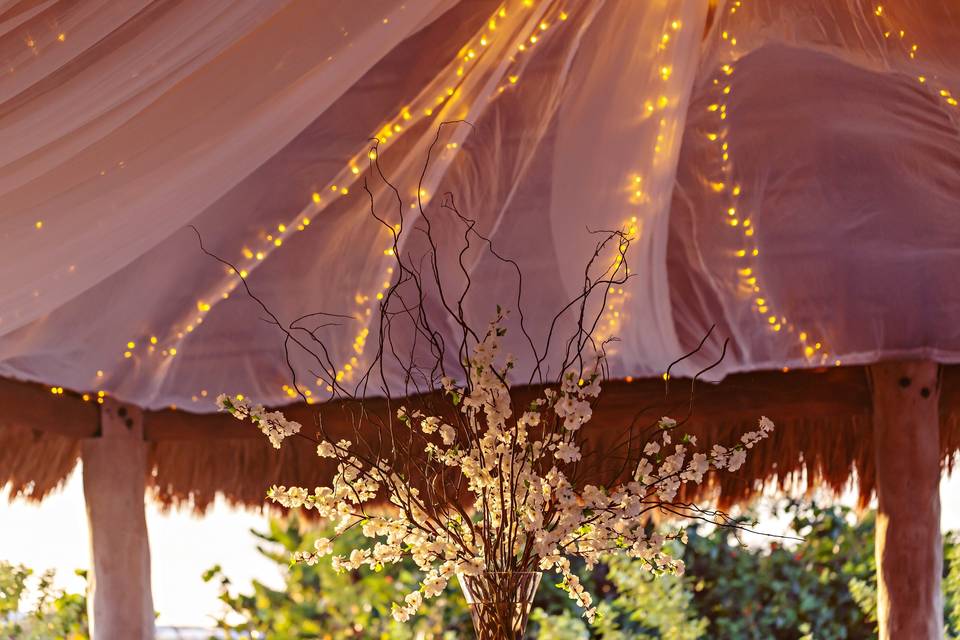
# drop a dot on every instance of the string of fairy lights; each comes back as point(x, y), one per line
point(734, 214)
point(527, 23)
point(812, 348)
point(441, 92)
point(631, 227)
point(895, 33)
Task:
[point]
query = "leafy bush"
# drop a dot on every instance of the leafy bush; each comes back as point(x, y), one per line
point(787, 591)
point(53, 615)
point(316, 602)
point(822, 587)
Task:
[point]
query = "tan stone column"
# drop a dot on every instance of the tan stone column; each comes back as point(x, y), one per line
point(909, 549)
point(120, 601)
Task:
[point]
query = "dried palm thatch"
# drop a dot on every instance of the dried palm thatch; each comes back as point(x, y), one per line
point(39, 437)
point(823, 437)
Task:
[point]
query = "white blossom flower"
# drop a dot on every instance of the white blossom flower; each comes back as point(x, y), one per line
point(323, 546)
point(698, 465)
point(400, 614)
point(325, 450)
point(737, 458)
point(430, 424)
point(448, 434)
point(567, 451)
point(433, 585)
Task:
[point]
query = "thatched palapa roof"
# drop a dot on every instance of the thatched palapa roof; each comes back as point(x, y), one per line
point(823, 436)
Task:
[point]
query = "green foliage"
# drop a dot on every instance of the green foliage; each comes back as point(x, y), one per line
point(822, 586)
point(317, 602)
point(632, 605)
point(792, 591)
point(671, 617)
point(951, 585)
point(53, 614)
point(565, 625)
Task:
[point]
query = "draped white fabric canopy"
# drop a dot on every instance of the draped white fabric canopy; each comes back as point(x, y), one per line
point(787, 171)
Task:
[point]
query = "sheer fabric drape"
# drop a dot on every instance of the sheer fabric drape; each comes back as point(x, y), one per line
point(830, 136)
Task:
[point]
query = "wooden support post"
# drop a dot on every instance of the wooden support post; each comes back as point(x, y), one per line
point(909, 550)
point(120, 602)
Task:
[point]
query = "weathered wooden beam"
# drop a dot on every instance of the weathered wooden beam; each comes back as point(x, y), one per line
point(828, 394)
point(114, 479)
point(803, 394)
point(33, 406)
point(909, 548)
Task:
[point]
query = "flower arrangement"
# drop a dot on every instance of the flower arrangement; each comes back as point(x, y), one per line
point(523, 513)
point(480, 482)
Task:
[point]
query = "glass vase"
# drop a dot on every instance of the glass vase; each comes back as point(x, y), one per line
point(500, 602)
